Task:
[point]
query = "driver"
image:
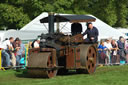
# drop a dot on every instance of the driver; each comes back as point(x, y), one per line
point(92, 33)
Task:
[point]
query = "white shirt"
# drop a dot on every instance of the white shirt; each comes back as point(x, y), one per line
point(5, 44)
point(108, 45)
point(36, 44)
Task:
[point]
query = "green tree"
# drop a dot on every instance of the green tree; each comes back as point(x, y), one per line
point(17, 13)
point(12, 17)
point(80, 6)
point(35, 7)
point(105, 10)
point(121, 12)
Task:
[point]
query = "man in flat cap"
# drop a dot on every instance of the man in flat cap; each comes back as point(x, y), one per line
point(92, 33)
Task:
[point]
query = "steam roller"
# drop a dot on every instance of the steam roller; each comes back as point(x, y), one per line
point(59, 53)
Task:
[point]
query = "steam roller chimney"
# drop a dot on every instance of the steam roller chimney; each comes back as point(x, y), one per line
point(51, 22)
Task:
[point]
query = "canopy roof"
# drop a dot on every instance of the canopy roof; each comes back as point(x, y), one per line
point(105, 31)
point(70, 18)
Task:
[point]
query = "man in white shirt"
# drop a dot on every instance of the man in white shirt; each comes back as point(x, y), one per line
point(108, 52)
point(37, 43)
point(6, 46)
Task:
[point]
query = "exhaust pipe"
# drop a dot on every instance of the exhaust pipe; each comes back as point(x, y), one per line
point(51, 22)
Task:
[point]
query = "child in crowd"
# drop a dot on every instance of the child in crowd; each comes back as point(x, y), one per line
point(102, 52)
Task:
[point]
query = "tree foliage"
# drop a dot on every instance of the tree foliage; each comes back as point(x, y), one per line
point(122, 12)
point(12, 17)
point(16, 13)
point(106, 11)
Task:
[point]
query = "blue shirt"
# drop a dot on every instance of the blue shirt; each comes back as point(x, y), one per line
point(101, 47)
point(22, 48)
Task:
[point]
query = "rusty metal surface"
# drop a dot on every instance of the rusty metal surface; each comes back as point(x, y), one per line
point(77, 38)
point(78, 64)
point(38, 60)
point(72, 39)
point(70, 58)
point(73, 57)
point(35, 50)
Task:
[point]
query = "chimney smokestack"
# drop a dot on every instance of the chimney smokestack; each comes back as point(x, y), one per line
point(51, 22)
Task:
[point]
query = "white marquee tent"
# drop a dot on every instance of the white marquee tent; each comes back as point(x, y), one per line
point(23, 35)
point(123, 30)
point(105, 31)
point(35, 28)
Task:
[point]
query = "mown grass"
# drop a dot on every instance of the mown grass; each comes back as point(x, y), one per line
point(108, 75)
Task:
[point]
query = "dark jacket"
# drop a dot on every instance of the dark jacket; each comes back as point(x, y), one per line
point(92, 33)
point(120, 44)
point(121, 52)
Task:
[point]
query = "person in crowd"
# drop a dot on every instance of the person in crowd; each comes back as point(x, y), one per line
point(92, 33)
point(126, 50)
point(16, 43)
point(102, 52)
point(36, 43)
point(121, 47)
point(115, 59)
point(13, 59)
point(16, 47)
point(108, 52)
point(7, 46)
point(20, 53)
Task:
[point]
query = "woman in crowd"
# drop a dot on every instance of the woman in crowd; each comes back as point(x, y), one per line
point(126, 51)
point(16, 47)
point(115, 59)
point(20, 53)
point(102, 52)
point(19, 50)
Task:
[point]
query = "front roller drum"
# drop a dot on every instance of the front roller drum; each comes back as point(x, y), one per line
point(88, 58)
point(41, 65)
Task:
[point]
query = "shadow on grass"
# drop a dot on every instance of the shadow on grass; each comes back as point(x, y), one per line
point(73, 72)
point(22, 73)
point(67, 73)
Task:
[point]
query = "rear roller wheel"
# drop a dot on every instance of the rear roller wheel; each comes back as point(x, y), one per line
point(91, 60)
point(88, 59)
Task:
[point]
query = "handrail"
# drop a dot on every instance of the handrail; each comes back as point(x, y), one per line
point(1, 68)
point(26, 53)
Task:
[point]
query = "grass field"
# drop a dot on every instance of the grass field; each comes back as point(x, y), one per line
point(109, 75)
